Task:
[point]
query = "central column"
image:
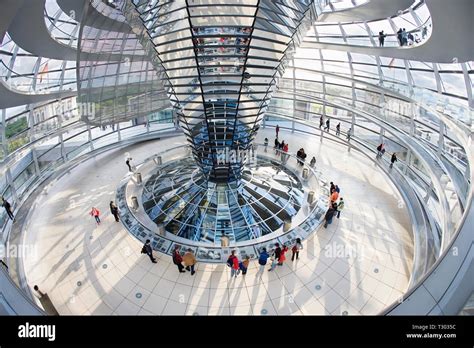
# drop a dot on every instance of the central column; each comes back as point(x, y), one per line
point(221, 62)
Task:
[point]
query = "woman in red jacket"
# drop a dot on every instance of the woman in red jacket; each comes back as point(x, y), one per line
point(233, 262)
point(282, 255)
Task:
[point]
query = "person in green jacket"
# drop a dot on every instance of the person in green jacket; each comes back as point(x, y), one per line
point(340, 206)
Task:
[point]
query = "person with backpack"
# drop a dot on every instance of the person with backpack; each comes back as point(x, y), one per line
point(177, 259)
point(233, 263)
point(95, 213)
point(329, 215)
point(244, 265)
point(275, 256)
point(380, 150)
point(147, 249)
point(262, 260)
point(340, 206)
point(295, 251)
point(189, 261)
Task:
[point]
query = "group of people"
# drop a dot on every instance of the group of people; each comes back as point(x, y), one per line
point(406, 38)
point(278, 255)
point(335, 206)
point(95, 213)
point(280, 146)
point(381, 152)
point(236, 266)
point(300, 154)
point(188, 261)
point(327, 127)
point(185, 262)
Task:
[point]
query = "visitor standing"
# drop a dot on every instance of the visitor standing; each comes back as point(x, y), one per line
point(338, 129)
point(380, 150)
point(189, 261)
point(277, 130)
point(312, 162)
point(327, 125)
point(127, 162)
point(262, 260)
point(147, 249)
point(329, 215)
point(114, 211)
point(177, 259)
point(295, 251)
point(233, 263)
point(321, 122)
point(400, 37)
point(349, 134)
point(404, 37)
point(298, 156)
point(244, 265)
point(265, 144)
point(340, 206)
point(393, 159)
point(303, 156)
point(282, 257)
point(45, 301)
point(275, 256)
point(381, 38)
point(95, 213)
point(334, 196)
point(424, 32)
point(8, 208)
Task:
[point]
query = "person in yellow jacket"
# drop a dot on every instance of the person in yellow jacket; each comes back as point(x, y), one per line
point(189, 261)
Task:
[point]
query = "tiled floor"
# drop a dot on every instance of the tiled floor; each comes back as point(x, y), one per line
point(358, 265)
